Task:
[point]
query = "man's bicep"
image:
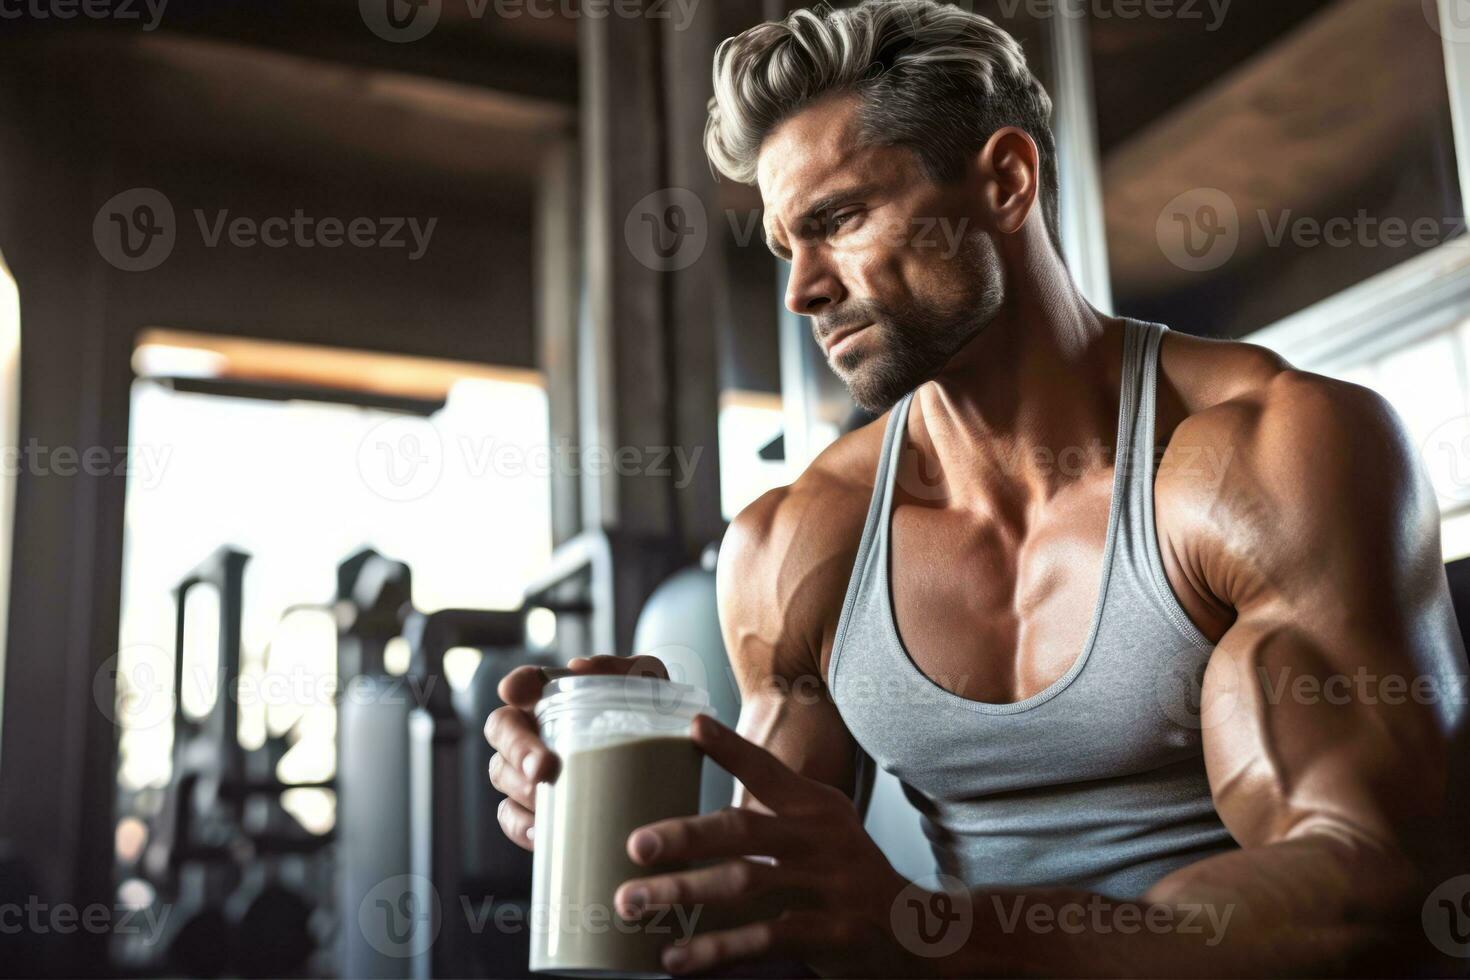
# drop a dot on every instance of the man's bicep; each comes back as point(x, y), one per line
point(1328, 702)
point(773, 636)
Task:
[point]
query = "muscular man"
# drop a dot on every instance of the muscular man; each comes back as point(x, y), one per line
point(1004, 590)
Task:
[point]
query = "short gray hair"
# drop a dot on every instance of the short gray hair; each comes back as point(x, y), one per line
point(931, 76)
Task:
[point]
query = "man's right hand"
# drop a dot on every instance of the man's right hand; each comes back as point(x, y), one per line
point(521, 759)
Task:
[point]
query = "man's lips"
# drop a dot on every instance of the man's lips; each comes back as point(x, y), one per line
point(830, 342)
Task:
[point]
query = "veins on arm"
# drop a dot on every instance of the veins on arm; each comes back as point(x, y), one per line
point(1323, 761)
point(782, 573)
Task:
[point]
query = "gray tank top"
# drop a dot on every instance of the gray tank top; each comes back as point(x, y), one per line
point(1098, 781)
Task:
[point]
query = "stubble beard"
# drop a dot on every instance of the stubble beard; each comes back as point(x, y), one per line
point(906, 347)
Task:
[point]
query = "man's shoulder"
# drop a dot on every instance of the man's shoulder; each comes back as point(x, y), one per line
point(820, 513)
point(787, 557)
point(1248, 403)
point(1267, 452)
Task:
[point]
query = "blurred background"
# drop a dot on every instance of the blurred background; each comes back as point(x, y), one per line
point(353, 354)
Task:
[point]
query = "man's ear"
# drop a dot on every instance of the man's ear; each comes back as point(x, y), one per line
point(1010, 165)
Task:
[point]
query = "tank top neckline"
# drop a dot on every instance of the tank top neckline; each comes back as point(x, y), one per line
point(1123, 464)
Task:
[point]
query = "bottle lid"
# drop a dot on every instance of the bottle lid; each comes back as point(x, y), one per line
point(644, 695)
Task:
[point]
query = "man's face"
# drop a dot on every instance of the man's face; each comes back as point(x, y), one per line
point(897, 272)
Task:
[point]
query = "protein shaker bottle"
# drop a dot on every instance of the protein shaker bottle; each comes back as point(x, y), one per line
point(627, 760)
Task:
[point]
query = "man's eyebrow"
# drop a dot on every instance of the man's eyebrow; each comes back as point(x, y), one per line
point(817, 210)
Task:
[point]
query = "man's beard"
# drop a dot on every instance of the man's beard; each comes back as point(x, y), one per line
point(906, 346)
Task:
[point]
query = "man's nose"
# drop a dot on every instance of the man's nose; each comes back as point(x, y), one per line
point(814, 286)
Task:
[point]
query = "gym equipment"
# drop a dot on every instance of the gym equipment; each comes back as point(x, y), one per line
point(373, 761)
point(597, 585)
point(439, 735)
point(222, 846)
point(423, 864)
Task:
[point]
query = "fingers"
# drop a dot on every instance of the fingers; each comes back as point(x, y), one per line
point(517, 822)
point(511, 782)
point(521, 758)
point(521, 688)
point(730, 882)
point(764, 776)
point(794, 935)
point(513, 733)
point(729, 833)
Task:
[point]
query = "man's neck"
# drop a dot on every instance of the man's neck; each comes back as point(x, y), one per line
point(1026, 406)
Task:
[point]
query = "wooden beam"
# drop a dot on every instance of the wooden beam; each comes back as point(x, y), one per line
point(1292, 129)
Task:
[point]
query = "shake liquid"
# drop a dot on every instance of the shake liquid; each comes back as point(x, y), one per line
point(583, 821)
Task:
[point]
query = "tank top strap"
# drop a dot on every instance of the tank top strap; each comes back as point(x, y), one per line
point(875, 528)
point(1134, 459)
point(1140, 559)
point(1144, 380)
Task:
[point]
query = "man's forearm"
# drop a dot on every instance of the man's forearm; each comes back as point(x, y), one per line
point(1309, 906)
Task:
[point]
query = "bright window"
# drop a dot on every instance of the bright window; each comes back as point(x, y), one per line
point(463, 498)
